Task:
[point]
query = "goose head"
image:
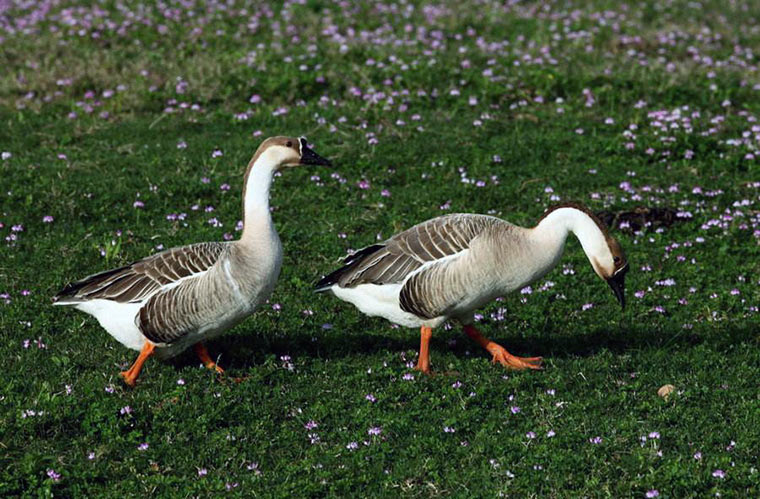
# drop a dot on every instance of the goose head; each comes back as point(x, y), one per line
point(603, 251)
point(609, 262)
point(282, 152)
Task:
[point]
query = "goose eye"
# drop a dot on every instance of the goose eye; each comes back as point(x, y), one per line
point(616, 259)
point(289, 144)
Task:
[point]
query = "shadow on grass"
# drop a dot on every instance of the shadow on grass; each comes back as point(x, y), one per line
point(251, 348)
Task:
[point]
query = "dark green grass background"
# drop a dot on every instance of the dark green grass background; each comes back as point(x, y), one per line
point(603, 366)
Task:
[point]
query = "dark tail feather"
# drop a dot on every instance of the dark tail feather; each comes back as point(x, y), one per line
point(348, 263)
point(327, 281)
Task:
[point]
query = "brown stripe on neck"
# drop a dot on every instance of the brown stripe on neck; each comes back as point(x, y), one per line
point(580, 207)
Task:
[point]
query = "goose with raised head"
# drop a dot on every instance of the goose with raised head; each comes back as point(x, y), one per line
point(168, 301)
point(449, 266)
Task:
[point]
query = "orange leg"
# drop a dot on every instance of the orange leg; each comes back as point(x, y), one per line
point(200, 350)
point(423, 361)
point(500, 354)
point(130, 375)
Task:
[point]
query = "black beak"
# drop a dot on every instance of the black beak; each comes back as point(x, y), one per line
point(617, 283)
point(309, 157)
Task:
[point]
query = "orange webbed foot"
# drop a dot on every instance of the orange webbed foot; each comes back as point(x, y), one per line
point(200, 350)
point(131, 374)
point(129, 378)
point(422, 368)
point(510, 361)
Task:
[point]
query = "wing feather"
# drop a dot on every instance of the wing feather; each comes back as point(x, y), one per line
point(138, 280)
point(406, 252)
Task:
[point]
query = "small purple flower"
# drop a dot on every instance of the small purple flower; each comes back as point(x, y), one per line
point(408, 377)
point(202, 471)
point(595, 440)
point(47, 219)
point(530, 435)
point(456, 384)
point(698, 456)
point(550, 433)
point(180, 382)
point(310, 425)
point(515, 409)
point(5, 155)
point(109, 389)
point(224, 187)
point(375, 430)
point(53, 475)
point(91, 456)
point(719, 474)
point(448, 429)
point(138, 204)
point(653, 493)
point(654, 434)
point(587, 306)
point(143, 446)
point(217, 153)
point(125, 410)
point(363, 184)
point(370, 397)
point(385, 193)
point(352, 446)
point(181, 144)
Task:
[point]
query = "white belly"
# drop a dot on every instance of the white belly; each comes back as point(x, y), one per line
point(382, 301)
point(118, 319)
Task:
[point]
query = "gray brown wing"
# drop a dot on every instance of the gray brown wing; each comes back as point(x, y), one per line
point(434, 290)
point(191, 305)
point(140, 279)
point(407, 251)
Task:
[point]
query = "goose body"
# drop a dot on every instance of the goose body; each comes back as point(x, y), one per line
point(183, 296)
point(449, 266)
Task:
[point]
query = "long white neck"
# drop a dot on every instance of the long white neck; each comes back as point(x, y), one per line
point(553, 230)
point(257, 219)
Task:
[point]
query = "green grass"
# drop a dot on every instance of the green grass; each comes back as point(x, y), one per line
point(603, 367)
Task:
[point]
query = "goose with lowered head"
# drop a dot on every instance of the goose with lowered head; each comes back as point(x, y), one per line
point(180, 297)
point(449, 266)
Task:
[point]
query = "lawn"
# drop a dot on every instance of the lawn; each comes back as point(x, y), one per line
point(125, 128)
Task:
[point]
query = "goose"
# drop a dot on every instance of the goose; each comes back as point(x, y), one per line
point(449, 266)
point(183, 296)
